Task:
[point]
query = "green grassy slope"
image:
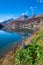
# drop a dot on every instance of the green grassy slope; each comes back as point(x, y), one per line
point(39, 38)
point(33, 51)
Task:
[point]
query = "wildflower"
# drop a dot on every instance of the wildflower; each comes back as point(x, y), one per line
point(23, 44)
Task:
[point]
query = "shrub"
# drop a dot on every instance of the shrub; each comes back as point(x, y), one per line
point(27, 56)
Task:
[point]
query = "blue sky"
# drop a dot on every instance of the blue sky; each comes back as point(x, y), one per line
point(14, 8)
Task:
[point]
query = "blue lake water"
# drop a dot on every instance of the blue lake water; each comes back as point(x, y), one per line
point(8, 39)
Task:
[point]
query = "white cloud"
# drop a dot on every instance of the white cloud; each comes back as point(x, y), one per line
point(25, 13)
point(33, 8)
point(40, 1)
point(22, 13)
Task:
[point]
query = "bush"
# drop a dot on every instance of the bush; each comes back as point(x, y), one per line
point(27, 56)
point(31, 54)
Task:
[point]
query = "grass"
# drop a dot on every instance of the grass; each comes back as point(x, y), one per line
point(31, 54)
point(39, 38)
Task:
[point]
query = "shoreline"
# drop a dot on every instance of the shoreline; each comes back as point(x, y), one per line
point(14, 46)
point(12, 51)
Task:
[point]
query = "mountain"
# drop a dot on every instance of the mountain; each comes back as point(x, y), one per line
point(22, 17)
point(24, 22)
point(25, 17)
point(7, 21)
point(41, 15)
point(32, 16)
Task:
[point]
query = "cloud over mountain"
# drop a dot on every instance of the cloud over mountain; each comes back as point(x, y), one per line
point(25, 13)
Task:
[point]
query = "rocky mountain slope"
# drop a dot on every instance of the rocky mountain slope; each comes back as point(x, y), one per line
point(24, 23)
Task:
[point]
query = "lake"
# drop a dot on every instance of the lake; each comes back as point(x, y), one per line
point(8, 39)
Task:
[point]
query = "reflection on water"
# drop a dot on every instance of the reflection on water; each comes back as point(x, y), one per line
point(9, 39)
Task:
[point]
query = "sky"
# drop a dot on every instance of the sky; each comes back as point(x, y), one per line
point(14, 8)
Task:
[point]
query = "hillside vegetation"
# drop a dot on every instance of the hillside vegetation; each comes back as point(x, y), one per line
point(31, 54)
point(39, 38)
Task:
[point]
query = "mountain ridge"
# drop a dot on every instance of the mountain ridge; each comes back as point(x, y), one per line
point(23, 17)
point(24, 23)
